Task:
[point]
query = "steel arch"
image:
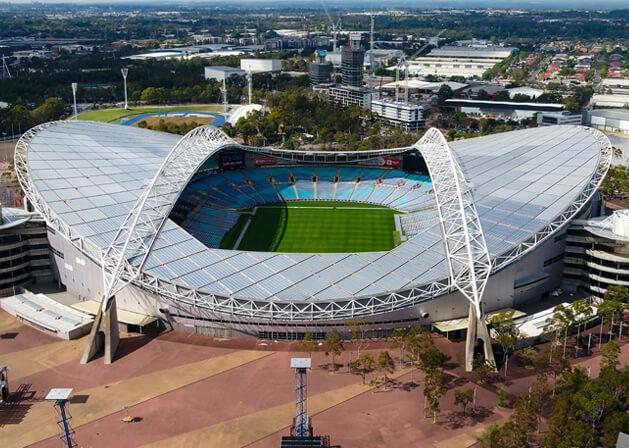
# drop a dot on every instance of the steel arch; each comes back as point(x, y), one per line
point(136, 237)
point(466, 251)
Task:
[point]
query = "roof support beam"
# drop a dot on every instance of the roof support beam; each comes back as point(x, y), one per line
point(466, 251)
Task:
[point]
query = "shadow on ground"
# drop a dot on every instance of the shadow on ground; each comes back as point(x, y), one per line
point(13, 411)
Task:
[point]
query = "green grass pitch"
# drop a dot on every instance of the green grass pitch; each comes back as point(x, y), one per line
point(316, 227)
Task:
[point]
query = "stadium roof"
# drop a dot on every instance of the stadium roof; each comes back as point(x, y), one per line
point(85, 177)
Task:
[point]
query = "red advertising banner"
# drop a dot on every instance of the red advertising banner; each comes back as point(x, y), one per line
point(388, 162)
point(265, 161)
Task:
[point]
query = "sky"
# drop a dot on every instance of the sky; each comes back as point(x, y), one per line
point(533, 4)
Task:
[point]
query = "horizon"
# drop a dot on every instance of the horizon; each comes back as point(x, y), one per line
point(407, 4)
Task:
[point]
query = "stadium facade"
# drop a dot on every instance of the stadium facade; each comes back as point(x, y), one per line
point(489, 222)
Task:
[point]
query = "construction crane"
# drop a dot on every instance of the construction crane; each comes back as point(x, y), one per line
point(335, 27)
point(403, 64)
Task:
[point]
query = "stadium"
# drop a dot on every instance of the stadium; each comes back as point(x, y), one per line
point(220, 238)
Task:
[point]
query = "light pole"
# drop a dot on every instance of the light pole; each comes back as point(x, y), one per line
point(74, 87)
point(61, 398)
point(125, 72)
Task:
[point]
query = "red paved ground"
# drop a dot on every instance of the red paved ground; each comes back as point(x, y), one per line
point(22, 338)
point(373, 419)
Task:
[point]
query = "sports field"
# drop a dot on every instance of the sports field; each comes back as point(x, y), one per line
point(117, 113)
point(315, 226)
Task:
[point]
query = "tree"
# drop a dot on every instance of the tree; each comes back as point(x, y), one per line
point(613, 424)
point(398, 340)
point(386, 365)
point(444, 93)
point(308, 344)
point(506, 334)
point(503, 95)
point(610, 355)
point(582, 313)
point(614, 303)
point(359, 329)
point(529, 354)
point(482, 367)
point(503, 400)
point(49, 110)
point(463, 398)
point(483, 95)
point(507, 435)
point(364, 364)
point(434, 389)
point(559, 323)
point(548, 362)
point(430, 358)
point(417, 341)
point(333, 346)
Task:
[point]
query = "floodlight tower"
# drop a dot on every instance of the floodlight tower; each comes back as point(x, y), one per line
point(371, 55)
point(224, 92)
point(61, 397)
point(125, 72)
point(74, 87)
point(250, 85)
point(301, 424)
point(6, 74)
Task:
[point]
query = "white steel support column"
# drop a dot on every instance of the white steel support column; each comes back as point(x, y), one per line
point(467, 256)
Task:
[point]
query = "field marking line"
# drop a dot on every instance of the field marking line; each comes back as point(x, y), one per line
point(107, 399)
point(243, 232)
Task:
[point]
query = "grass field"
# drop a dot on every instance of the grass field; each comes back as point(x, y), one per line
point(154, 121)
point(116, 113)
point(317, 227)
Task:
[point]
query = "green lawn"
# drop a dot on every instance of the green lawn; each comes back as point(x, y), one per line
point(116, 113)
point(316, 226)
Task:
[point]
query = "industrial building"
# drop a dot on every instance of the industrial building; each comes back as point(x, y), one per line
point(555, 118)
point(610, 100)
point(220, 72)
point(261, 65)
point(612, 120)
point(502, 109)
point(468, 62)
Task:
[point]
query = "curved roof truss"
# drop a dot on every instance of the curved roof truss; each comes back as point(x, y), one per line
point(134, 240)
point(466, 251)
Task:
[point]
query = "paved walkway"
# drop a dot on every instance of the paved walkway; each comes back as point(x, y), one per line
point(190, 390)
point(245, 430)
point(111, 398)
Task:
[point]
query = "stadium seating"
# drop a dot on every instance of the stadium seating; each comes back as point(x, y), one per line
point(211, 205)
